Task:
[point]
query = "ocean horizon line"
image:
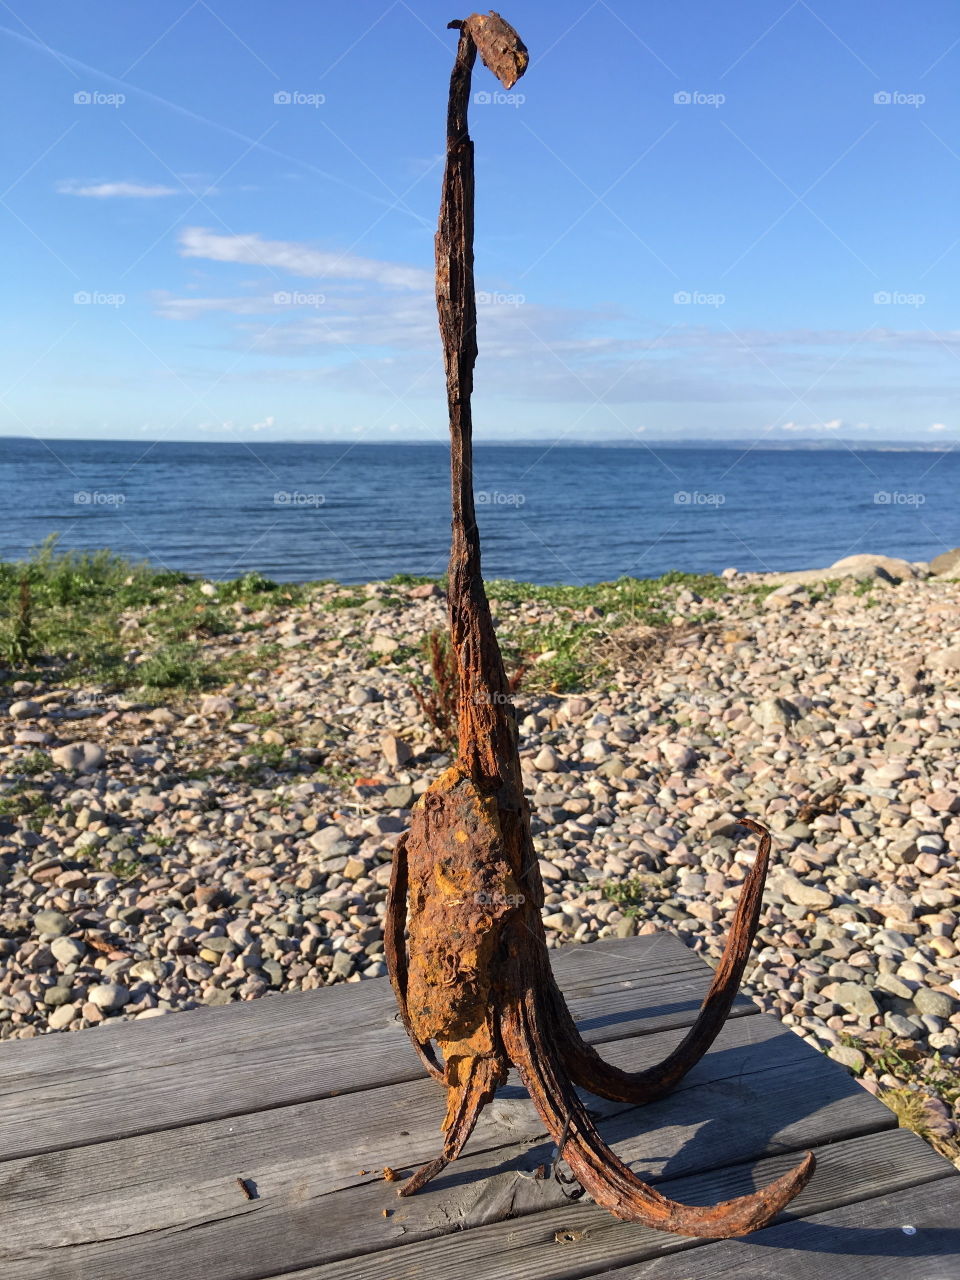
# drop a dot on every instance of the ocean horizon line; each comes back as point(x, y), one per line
point(756, 444)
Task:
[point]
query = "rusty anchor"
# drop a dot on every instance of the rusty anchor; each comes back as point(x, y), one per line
point(464, 939)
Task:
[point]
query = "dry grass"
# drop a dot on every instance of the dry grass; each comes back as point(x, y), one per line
point(925, 1116)
point(640, 645)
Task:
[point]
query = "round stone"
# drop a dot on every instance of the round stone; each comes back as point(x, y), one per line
point(108, 996)
point(53, 997)
point(51, 923)
point(936, 1004)
point(80, 757)
point(68, 950)
point(546, 760)
point(61, 1016)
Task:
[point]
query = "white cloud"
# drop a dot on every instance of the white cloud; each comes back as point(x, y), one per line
point(938, 426)
point(109, 190)
point(299, 259)
point(173, 308)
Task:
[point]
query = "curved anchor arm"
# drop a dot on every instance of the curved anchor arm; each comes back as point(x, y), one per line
point(590, 1071)
point(600, 1171)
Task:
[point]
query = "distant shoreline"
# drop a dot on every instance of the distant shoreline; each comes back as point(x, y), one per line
point(756, 444)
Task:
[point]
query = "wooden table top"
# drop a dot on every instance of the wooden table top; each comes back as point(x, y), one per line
point(121, 1148)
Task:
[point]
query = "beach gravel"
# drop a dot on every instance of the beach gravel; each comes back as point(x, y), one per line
point(236, 843)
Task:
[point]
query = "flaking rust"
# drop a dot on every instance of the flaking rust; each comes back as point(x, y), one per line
point(464, 939)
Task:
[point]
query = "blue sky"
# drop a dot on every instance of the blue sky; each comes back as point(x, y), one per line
point(694, 220)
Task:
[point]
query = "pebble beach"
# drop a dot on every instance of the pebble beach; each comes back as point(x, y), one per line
point(229, 844)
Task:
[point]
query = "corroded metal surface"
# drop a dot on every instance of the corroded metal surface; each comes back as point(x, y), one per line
point(473, 978)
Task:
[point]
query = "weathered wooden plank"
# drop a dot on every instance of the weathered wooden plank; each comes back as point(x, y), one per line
point(395, 1125)
point(110, 1082)
point(859, 1241)
point(169, 1201)
point(727, 1122)
point(580, 1240)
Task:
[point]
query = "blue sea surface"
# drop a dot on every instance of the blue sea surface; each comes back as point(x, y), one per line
point(548, 513)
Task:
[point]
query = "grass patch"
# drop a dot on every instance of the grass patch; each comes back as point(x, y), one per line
point(67, 610)
point(21, 802)
point(345, 602)
point(582, 649)
point(411, 580)
point(629, 597)
point(32, 764)
point(271, 754)
point(927, 1091)
point(559, 658)
point(758, 591)
point(123, 868)
point(824, 590)
point(629, 894)
point(98, 618)
point(176, 666)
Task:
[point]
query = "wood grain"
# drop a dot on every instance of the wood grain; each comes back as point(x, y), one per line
point(862, 1240)
point(166, 1200)
point(128, 1078)
point(582, 1240)
point(169, 1200)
